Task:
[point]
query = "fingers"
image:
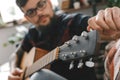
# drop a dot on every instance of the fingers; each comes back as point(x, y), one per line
point(15, 75)
point(17, 71)
point(105, 20)
point(93, 25)
point(100, 20)
point(109, 19)
point(116, 16)
point(97, 22)
point(12, 77)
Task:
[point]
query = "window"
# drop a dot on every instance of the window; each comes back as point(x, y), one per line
point(10, 11)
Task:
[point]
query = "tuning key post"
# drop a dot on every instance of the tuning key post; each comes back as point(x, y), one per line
point(71, 66)
point(65, 56)
point(75, 38)
point(84, 34)
point(68, 43)
point(82, 53)
point(73, 54)
point(80, 64)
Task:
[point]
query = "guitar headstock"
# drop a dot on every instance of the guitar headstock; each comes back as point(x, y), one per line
point(80, 46)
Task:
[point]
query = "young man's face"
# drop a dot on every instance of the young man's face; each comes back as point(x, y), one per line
point(38, 12)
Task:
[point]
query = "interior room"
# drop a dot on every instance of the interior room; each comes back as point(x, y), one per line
point(14, 26)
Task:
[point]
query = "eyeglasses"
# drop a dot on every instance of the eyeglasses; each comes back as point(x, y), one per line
point(40, 6)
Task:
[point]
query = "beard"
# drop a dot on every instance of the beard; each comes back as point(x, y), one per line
point(49, 27)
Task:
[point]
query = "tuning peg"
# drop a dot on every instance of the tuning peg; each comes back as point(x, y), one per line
point(73, 54)
point(90, 63)
point(84, 34)
point(80, 64)
point(68, 43)
point(75, 38)
point(65, 56)
point(71, 65)
point(82, 53)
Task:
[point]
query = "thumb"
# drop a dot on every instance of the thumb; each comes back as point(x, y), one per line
point(17, 71)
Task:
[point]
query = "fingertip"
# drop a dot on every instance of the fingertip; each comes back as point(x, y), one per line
point(19, 70)
point(12, 77)
point(88, 28)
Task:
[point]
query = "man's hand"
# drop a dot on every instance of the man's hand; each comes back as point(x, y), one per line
point(15, 74)
point(106, 22)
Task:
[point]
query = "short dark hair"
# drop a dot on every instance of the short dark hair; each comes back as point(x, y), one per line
point(21, 3)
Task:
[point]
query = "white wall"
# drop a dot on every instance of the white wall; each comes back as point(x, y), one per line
point(8, 8)
point(5, 52)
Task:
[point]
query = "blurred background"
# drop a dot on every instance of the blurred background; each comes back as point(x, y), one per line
point(13, 25)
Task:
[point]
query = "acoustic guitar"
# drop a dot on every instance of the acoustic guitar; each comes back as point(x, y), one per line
point(78, 47)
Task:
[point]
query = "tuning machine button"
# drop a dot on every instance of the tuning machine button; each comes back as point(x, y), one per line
point(75, 38)
point(84, 34)
point(90, 63)
point(64, 56)
point(82, 53)
point(73, 54)
point(80, 64)
point(71, 66)
point(68, 43)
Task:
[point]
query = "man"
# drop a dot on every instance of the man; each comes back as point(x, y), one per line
point(53, 30)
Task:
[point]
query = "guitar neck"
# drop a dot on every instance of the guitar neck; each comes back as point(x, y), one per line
point(42, 62)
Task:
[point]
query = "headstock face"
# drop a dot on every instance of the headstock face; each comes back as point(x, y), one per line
point(80, 46)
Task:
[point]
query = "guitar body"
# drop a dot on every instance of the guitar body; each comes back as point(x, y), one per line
point(29, 58)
